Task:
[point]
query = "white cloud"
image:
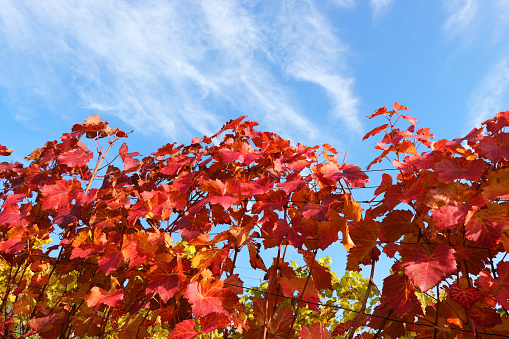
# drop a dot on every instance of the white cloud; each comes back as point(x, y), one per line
point(309, 51)
point(380, 7)
point(171, 67)
point(344, 3)
point(461, 15)
point(492, 95)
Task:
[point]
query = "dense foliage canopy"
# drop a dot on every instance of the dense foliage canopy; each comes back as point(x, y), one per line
point(147, 247)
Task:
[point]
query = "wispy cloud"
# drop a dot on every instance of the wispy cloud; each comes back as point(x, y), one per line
point(344, 3)
point(380, 7)
point(461, 15)
point(310, 52)
point(492, 95)
point(177, 67)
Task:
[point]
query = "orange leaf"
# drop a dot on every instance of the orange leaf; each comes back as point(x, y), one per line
point(398, 107)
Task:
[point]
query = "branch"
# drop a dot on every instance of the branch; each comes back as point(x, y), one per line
point(266, 306)
point(365, 301)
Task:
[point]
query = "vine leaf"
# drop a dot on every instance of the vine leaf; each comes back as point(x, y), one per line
point(364, 235)
point(375, 131)
point(165, 279)
point(396, 224)
point(37, 324)
point(398, 294)
point(459, 168)
point(495, 148)
point(184, 330)
point(484, 316)
point(209, 296)
point(503, 283)
point(127, 158)
point(449, 215)
point(110, 260)
point(466, 297)
point(427, 267)
point(58, 195)
point(4, 151)
point(314, 331)
point(212, 321)
point(484, 225)
point(99, 296)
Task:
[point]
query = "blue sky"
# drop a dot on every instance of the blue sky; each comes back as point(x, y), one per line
point(308, 70)
point(311, 71)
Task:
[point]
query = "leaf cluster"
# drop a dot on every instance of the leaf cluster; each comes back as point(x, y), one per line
point(105, 243)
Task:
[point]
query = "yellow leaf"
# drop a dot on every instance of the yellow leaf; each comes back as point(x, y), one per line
point(200, 257)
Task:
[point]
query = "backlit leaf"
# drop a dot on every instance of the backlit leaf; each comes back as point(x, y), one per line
point(209, 296)
point(99, 296)
point(184, 330)
point(466, 297)
point(484, 316)
point(427, 267)
point(459, 168)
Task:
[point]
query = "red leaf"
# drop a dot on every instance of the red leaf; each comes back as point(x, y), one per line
point(282, 230)
point(412, 120)
point(273, 200)
point(74, 158)
point(327, 231)
point(4, 151)
point(380, 111)
point(466, 297)
point(232, 124)
point(104, 218)
point(396, 224)
point(244, 158)
point(58, 195)
point(329, 148)
point(398, 294)
point(110, 260)
point(342, 328)
point(375, 131)
point(184, 330)
point(321, 276)
point(496, 148)
point(254, 257)
point(294, 182)
point(234, 283)
point(502, 283)
point(484, 316)
point(38, 324)
point(212, 321)
point(384, 185)
point(354, 176)
point(315, 331)
point(390, 249)
point(280, 323)
point(396, 194)
point(459, 168)
point(10, 214)
point(448, 215)
point(484, 226)
point(99, 296)
point(364, 235)
point(129, 162)
point(350, 173)
point(207, 296)
point(166, 279)
point(428, 268)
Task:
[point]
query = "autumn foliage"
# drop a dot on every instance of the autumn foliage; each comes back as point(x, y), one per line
point(105, 243)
